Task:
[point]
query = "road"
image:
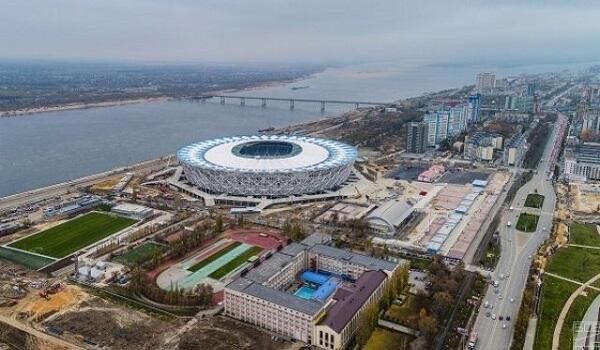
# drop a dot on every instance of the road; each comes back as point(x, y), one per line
point(63, 188)
point(517, 250)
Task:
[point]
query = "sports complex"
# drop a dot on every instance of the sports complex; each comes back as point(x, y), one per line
point(267, 165)
point(61, 241)
point(220, 261)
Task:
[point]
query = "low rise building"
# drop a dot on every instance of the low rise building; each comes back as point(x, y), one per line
point(133, 211)
point(481, 146)
point(389, 216)
point(582, 162)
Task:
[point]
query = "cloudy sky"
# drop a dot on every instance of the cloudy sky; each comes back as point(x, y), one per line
point(301, 30)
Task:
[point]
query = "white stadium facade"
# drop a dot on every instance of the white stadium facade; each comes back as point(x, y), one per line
point(267, 165)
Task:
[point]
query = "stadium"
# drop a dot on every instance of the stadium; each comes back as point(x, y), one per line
point(267, 165)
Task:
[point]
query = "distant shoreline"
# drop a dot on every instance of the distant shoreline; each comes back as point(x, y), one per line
point(112, 103)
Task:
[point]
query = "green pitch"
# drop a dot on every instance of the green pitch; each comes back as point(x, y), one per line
point(67, 238)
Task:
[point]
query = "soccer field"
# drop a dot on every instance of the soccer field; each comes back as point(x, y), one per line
point(64, 239)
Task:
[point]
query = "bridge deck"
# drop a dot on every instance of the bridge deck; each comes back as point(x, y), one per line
point(371, 103)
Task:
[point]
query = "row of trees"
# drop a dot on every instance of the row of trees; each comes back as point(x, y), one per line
point(140, 284)
point(294, 230)
point(368, 319)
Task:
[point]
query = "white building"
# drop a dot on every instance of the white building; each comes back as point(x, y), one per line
point(485, 82)
point(134, 211)
point(582, 162)
point(445, 123)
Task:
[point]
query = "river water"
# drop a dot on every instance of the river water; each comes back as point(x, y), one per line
point(43, 149)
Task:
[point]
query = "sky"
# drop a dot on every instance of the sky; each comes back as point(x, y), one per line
point(301, 30)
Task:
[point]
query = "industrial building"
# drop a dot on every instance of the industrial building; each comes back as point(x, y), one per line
point(267, 165)
point(309, 291)
point(390, 216)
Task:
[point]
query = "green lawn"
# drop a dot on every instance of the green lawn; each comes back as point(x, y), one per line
point(527, 222)
point(576, 312)
point(382, 339)
point(584, 235)
point(214, 257)
point(534, 200)
point(405, 314)
point(579, 264)
point(30, 261)
point(139, 254)
point(66, 238)
point(554, 294)
point(233, 264)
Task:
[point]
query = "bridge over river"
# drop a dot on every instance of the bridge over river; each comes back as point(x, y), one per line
point(292, 100)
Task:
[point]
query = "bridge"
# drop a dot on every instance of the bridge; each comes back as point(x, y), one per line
point(291, 100)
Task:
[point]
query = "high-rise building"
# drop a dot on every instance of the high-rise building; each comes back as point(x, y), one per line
point(416, 137)
point(474, 108)
point(591, 121)
point(485, 82)
point(519, 103)
point(530, 89)
point(445, 123)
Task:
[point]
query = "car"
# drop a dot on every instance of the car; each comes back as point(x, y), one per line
point(512, 300)
point(500, 297)
point(508, 318)
point(501, 318)
point(504, 326)
point(529, 257)
point(501, 276)
point(487, 314)
point(493, 316)
point(511, 207)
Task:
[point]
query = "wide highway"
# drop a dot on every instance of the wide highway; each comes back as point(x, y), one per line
point(517, 250)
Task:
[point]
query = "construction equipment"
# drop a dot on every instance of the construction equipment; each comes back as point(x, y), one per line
point(52, 289)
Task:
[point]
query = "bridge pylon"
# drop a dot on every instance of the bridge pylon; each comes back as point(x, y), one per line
point(291, 104)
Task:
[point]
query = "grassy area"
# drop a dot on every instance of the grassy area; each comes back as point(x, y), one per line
point(579, 264)
point(382, 339)
point(233, 264)
point(30, 261)
point(64, 239)
point(534, 200)
point(214, 257)
point(576, 312)
point(404, 314)
point(584, 235)
point(554, 295)
point(139, 254)
point(527, 222)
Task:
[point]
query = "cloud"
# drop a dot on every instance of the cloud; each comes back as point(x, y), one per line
point(293, 31)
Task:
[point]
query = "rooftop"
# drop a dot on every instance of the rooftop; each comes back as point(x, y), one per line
point(341, 311)
point(357, 259)
point(275, 296)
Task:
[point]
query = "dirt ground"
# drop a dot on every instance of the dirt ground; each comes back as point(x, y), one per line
point(217, 334)
point(113, 326)
point(41, 308)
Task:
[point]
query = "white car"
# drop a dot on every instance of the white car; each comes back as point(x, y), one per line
point(504, 326)
point(512, 300)
point(493, 316)
point(500, 297)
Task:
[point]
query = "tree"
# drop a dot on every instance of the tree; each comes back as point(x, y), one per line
point(428, 325)
point(218, 227)
point(442, 302)
point(367, 321)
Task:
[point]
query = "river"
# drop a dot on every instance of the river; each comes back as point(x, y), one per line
point(46, 148)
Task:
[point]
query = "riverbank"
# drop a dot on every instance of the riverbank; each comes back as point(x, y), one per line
point(113, 103)
point(74, 106)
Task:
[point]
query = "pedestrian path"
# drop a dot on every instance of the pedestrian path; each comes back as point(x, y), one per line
point(567, 306)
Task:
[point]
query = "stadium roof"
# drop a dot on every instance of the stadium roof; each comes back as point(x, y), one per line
point(266, 153)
